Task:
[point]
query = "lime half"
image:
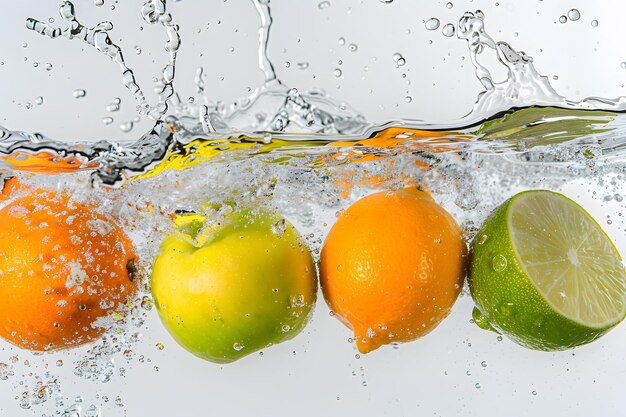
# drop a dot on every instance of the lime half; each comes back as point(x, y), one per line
point(545, 274)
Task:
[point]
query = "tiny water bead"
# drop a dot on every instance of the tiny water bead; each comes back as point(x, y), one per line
point(399, 59)
point(79, 93)
point(353, 47)
point(573, 15)
point(563, 19)
point(448, 30)
point(594, 23)
point(432, 23)
point(323, 5)
point(623, 65)
point(39, 100)
point(337, 72)
point(449, 5)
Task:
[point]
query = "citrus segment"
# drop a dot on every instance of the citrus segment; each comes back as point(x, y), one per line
point(568, 257)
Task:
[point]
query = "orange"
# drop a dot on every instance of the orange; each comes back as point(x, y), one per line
point(63, 266)
point(392, 266)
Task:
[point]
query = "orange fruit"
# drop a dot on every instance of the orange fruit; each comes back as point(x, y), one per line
point(392, 266)
point(63, 266)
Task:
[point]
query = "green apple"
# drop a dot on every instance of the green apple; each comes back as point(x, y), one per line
point(226, 290)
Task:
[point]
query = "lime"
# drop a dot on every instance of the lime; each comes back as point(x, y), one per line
point(545, 274)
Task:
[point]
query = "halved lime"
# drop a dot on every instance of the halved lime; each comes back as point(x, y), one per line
point(545, 274)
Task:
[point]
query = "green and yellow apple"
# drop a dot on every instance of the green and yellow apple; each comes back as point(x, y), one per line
point(226, 290)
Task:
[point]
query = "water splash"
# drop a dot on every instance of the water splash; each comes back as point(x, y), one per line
point(153, 12)
point(524, 86)
point(278, 113)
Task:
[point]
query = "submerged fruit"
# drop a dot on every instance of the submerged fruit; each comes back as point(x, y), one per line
point(392, 267)
point(233, 289)
point(545, 274)
point(63, 266)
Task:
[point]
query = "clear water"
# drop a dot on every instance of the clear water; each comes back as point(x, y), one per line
point(308, 156)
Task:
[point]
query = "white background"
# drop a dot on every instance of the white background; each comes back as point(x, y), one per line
point(317, 373)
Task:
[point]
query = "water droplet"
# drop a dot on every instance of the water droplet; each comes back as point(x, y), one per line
point(303, 65)
point(107, 120)
point(623, 65)
point(353, 47)
point(449, 5)
point(499, 263)
point(127, 127)
point(399, 59)
point(35, 64)
point(408, 99)
point(59, 363)
point(483, 364)
point(24, 45)
point(323, 5)
point(337, 72)
point(573, 15)
point(99, 3)
point(286, 328)
point(287, 64)
point(79, 93)
point(191, 100)
point(499, 338)
point(238, 347)
point(39, 100)
point(48, 66)
point(477, 385)
point(448, 30)
point(137, 50)
point(563, 19)
point(482, 239)
point(386, 1)
point(594, 23)
point(342, 41)
point(534, 393)
point(432, 24)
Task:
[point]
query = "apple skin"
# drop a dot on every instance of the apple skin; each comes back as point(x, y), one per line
point(251, 283)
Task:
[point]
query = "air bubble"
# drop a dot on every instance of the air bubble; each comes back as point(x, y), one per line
point(499, 263)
